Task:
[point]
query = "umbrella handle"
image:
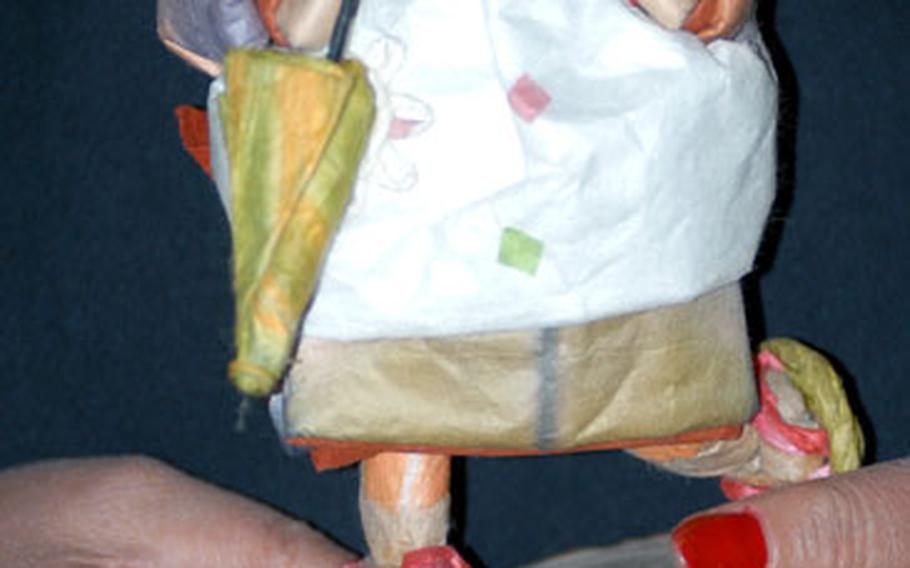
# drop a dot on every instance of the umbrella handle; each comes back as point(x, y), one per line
point(342, 26)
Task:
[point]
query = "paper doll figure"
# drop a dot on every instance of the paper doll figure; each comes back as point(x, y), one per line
point(540, 253)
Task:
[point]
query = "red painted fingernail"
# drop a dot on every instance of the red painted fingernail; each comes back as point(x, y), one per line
point(715, 541)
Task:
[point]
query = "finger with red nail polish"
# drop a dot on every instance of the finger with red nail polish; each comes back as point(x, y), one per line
point(857, 520)
point(733, 539)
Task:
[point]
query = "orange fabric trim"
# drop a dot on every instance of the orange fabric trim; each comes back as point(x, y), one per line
point(194, 133)
point(267, 11)
point(671, 452)
point(332, 454)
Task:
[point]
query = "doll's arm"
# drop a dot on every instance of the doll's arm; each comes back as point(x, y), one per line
point(304, 24)
point(713, 19)
point(308, 24)
point(202, 31)
point(668, 13)
point(709, 19)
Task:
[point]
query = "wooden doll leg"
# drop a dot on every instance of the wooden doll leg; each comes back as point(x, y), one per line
point(746, 462)
point(404, 504)
point(703, 459)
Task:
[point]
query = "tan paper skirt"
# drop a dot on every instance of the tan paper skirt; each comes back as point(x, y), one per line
point(679, 373)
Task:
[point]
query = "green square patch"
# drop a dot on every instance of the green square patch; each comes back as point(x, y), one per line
point(520, 250)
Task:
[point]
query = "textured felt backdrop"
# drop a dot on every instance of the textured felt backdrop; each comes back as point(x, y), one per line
point(116, 312)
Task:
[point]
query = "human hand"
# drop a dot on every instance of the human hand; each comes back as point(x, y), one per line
point(859, 519)
point(140, 512)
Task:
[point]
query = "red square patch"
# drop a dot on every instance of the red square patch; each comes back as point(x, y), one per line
point(527, 98)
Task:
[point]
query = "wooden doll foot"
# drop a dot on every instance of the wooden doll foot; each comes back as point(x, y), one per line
point(430, 557)
point(805, 427)
point(804, 430)
point(434, 557)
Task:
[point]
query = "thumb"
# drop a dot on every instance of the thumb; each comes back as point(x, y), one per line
point(137, 511)
point(860, 519)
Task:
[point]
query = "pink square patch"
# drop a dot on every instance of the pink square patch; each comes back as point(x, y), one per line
point(401, 128)
point(527, 98)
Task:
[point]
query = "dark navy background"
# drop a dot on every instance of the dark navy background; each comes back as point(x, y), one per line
point(115, 307)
